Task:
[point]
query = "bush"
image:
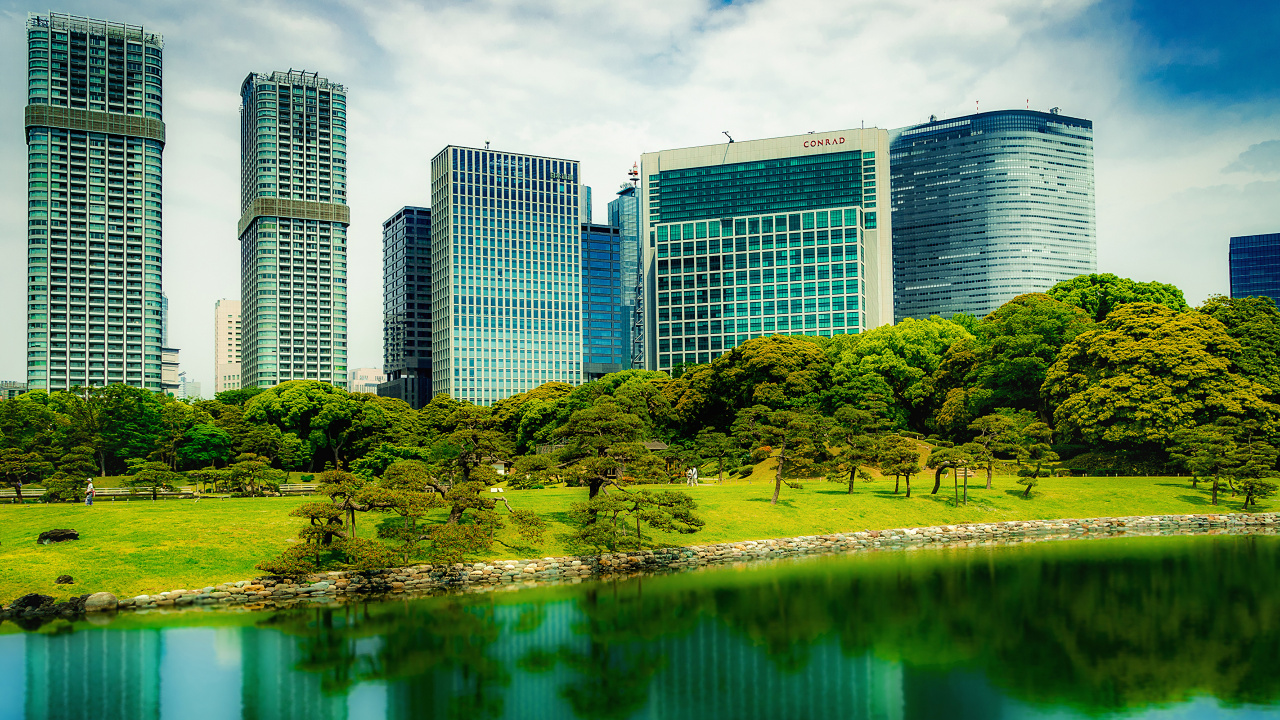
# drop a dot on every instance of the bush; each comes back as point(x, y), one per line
point(307, 479)
point(746, 470)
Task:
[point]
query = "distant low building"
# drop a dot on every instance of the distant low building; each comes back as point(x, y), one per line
point(10, 389)
point(365, 380)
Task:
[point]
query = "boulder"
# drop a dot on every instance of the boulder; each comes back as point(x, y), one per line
point(57, 536)
point(64, 580)
point(33, 600)
point(100, 602)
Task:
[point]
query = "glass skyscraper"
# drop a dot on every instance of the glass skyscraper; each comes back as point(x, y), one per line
point(624, 214)
point(293, 228)
point(1255, 266)
point(987, 207)
point(505, 283)
point(748, 239)
point(95, 138)
point(604, 319)
point(406, 306)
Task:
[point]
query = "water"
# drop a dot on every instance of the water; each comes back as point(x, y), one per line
point(1181, 627)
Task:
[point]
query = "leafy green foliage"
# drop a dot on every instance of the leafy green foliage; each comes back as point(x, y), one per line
point(616, 520)
point(1100, 295)
point(1254, 322)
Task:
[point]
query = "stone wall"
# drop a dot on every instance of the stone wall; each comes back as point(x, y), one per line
point(332, 587)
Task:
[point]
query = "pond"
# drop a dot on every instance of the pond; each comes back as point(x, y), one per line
point(1174, 627)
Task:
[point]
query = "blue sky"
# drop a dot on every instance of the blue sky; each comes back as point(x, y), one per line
point(1185, 99)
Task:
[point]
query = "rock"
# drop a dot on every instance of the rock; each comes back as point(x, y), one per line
point(33, 600)
point(100, 602)
point(64, 580)
point(57, 536)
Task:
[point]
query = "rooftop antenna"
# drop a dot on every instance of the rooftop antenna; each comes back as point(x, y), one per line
point(975, 106)
point(633, 175)
point(726, 134)
point(486, 144)
point(1028, 103)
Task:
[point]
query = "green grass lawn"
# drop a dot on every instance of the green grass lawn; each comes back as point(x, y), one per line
point(140, 546)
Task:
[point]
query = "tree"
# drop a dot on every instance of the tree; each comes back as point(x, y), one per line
point(599, 441)
point(900, 458)
point(204, 445)
point(19, 468)
point(995, 434)
point(1254, 470)
point(252, 475)
point(854, 443)
point(942, 459)
point(1146, 372)
point(153, 476)
point(1034, 451)
point(1206, 450)
point(1100, 295)
point(1254, 322)
point(602, 522)
point(716, 446)
point(794, 439)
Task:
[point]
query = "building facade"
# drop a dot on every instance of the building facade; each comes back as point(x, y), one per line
point(1255, 266)
point(406, 306)
point(604, 319)
point(749, 239)
point(293, 228)
point(170, 372)
point(95, 137)
point(226, 345)
point(988, 207)
point(366, 380)
point(505, 283)
point(624, 214)
point(10, 389)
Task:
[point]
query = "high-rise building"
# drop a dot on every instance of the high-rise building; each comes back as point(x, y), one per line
point(604, 319)
point(10, 389)
point(406, 306)
point(226, 345)
point(365, 380)
point(170, 375)
point(293, 228)
point(1255, 266)
point(584, 208)
point(95, 135)
point(748, 239)
point(624, 214)
point(987, 207)
point(505, 283)
point(187, 389)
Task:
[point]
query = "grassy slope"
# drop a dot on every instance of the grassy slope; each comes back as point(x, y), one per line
point(141, 547)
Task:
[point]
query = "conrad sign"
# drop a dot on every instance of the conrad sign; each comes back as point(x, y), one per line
point(824, 141)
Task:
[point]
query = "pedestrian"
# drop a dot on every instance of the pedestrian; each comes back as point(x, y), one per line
point(88, 494)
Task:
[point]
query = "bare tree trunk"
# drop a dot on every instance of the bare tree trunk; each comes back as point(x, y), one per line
point(908, 486)
point(852, 473)
point(777, 481)
point(1215, 488)
point(897, 480)
point(989, 464)
point(937, 480)
point(966, 486)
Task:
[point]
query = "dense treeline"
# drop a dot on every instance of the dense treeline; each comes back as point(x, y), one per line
point(1101, 374)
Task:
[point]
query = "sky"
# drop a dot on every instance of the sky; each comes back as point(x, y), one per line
point(1185, 100)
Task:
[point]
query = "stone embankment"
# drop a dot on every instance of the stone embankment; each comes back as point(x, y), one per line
point(332, 587)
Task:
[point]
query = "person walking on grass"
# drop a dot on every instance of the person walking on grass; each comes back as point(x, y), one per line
point(88, 494)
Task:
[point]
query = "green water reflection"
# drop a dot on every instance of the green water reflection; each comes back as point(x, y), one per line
point(1152, 627)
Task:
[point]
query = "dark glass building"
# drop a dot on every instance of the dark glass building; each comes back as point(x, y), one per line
point(605, 321)
point(1255, 266)
point(406, 306)
point(624, 214)
point(987, 207)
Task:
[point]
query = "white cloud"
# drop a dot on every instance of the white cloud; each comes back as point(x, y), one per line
point(603, 82)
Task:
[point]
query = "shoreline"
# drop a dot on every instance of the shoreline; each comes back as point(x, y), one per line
point(269, 593)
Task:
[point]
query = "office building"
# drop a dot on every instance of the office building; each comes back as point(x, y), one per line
point(988, 207)
point(293, 229)
point(624, 214)
point(584, 204)
point(505, 282)
point(604, 319)
point(365, 380)
point(95, 135)
point(406, 306)
point(749, 239)
point(170, 377)
point(1255, 266)
point(10, 389)
point(187, 389)
point(226, 345)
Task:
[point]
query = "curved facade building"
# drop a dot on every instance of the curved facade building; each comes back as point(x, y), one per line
point(988, 207)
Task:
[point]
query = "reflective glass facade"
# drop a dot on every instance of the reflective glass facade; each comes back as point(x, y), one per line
point(988, 207)
point(763, 237)
point(624, 214)
point(406, 306)
point(1255, 266)
point(95, 139)
point(293, 229)
point(604, 319)
point(506, 286)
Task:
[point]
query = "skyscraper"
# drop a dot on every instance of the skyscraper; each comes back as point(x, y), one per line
point(505, 283)
point(95, 136)
point(624, 214)
point(604, 320)
point(293, 228)
point(406, 306)
point(226, 345)
point(748, 239)
point(990, 206)
point(1255, 266)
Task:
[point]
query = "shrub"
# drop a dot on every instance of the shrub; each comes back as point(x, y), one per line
point(746, 470)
